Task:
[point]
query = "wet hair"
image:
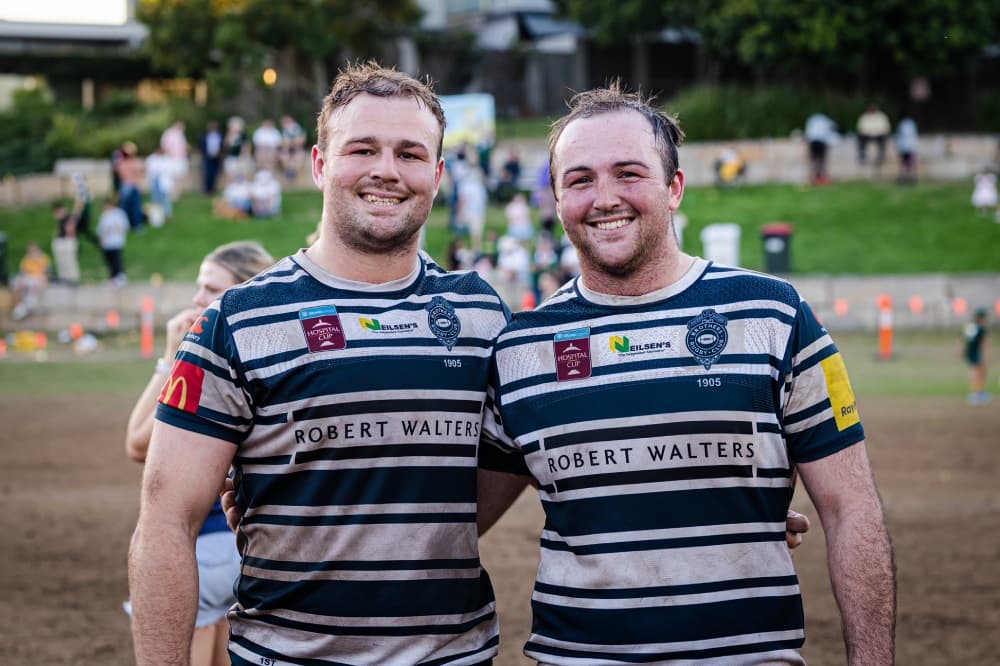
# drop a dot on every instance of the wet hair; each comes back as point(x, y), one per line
point(373, 79)
point(243, 259)
point(667, 133)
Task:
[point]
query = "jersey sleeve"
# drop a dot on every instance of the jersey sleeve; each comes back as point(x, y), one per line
point(204, 392)
point(497, 450)
point(820, 412)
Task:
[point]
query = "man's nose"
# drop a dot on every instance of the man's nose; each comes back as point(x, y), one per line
point(384, 166)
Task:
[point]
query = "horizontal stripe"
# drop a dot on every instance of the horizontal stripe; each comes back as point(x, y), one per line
point(654, 476)
point(378, 598)
point(663, 590)
point(702, 507)
point(384, 519)
point(382, 451)
point(388, 406)
point(636, 626)
point(666, 429)
point(663, 544)
point(360, 486)
point(360, 565)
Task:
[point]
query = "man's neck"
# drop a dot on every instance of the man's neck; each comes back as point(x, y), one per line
point(350, 264)
point(652, 278)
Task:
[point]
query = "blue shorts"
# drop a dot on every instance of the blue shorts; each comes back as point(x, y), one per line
point(218, 568)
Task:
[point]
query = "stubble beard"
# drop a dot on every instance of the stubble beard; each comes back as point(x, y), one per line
point(641, 254)
point(357, 232)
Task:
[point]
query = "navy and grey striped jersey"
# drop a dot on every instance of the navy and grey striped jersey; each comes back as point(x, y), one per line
point(662, 431)
point(356, 411)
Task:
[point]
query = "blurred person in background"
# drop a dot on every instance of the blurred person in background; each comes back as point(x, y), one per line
point(31, 280)
point(975, 355)
point(873, 127)
point(217, 557)
point(211, 156)
point(293, 147)
point(820, 133)
point(112, 232)
point(65, 245)
point(906, 147)
point(130, 172)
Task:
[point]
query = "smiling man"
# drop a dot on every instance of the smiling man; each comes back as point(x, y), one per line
point(345, 386)
point(662, 403)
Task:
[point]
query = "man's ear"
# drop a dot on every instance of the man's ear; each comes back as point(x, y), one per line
point(318, 163)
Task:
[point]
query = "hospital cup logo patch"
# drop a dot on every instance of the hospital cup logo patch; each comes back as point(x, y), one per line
point(443, 321)
point(322, 328)
point(707, 337)
point(572, 352)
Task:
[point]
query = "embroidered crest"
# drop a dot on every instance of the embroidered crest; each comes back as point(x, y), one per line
point(572, 352)
point(443, 321)
point(322, 328)
point(707, 337)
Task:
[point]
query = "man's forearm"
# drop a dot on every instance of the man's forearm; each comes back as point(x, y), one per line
point(863, 574)
point(163, 584)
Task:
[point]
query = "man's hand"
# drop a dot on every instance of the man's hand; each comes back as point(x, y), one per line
point(177, 328)
point(233, 515)
point(795, 526)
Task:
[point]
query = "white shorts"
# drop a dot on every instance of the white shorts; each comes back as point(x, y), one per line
point(218, 569)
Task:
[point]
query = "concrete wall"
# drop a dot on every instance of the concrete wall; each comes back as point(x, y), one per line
point(89, 305)
point(940, 157)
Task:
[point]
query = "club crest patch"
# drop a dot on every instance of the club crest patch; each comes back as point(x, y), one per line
point(707, 337)
point(443, 321)
point(322, 329)
point(572, 353)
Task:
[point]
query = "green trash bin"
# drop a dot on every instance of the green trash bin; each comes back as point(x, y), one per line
point(777, 237)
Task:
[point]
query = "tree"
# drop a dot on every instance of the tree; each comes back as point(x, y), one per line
point(815, 38)
point(226, 39)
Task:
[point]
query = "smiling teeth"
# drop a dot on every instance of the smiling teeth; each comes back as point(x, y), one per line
point(381, 201)
point(613, 224)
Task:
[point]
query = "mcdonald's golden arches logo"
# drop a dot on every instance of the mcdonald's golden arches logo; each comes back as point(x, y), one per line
point(183, 388)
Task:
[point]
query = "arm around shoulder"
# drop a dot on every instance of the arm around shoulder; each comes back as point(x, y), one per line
point(859, 551)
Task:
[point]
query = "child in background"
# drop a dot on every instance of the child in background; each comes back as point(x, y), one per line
point(112, 230)
point(975, 344)
point(984, 196)
point(31, 280)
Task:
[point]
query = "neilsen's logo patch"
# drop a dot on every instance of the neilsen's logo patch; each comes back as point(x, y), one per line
point(322, 329)
point(572, 352)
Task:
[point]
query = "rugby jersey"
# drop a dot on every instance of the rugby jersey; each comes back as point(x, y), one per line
point(662, 431)
point(356, 410)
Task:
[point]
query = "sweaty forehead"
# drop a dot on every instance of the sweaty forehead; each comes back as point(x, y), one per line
point(607, 138)
point(390, 119)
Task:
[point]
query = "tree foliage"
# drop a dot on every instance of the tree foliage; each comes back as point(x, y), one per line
point(914, 37)
point(223, 38)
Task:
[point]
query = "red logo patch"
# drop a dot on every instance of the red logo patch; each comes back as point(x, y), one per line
point(183, 388)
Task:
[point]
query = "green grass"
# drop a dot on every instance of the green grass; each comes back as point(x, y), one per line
point(846, 228)
point(926, 364)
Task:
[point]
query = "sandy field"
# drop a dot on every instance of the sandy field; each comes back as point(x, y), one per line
point(71, 498)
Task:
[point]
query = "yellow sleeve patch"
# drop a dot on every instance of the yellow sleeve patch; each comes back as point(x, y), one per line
point(842, 400)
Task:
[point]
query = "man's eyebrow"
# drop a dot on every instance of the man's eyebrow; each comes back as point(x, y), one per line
point(371, 140)
point(617, 165)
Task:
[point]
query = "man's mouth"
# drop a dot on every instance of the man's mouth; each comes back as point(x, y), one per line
point(381, 201)
point(608, 225)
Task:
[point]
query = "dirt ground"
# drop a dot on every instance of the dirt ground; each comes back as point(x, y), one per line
point(70, 501)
